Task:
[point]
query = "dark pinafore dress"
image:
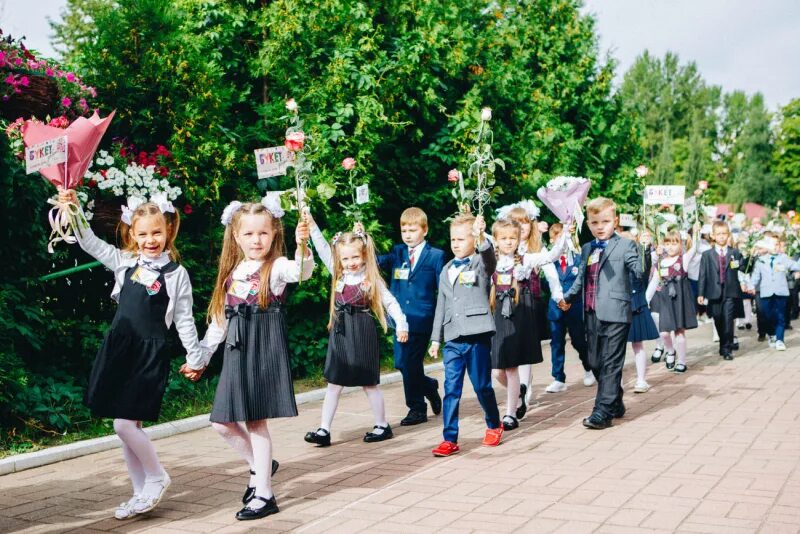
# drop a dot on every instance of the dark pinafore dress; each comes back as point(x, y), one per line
point(256, 378)
point(131, 370)
point(539, 305)
point(353, 353)
point(643, 328)
point(516, 340)
point(674, 301)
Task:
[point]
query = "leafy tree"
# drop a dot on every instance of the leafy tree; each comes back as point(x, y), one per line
point(786, 158)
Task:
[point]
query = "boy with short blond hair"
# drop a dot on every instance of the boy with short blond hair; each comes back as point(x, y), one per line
point(465, 323)
point(603, 282)
point(414, 268)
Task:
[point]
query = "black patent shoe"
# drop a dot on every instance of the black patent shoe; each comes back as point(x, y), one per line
point(523, 408)
point(597, 422)
point(727, 356)
point(680, 368)
point(247, 514)
point(323, 440)
point(510, 423)
point(414, 418)
point(669, 360)
point(619, 411)
point(372, 437)
point(657, 354)
point(434, 399)
point(735, 343)
point(250, 492)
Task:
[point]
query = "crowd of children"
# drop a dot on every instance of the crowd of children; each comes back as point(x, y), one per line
point(487, 310)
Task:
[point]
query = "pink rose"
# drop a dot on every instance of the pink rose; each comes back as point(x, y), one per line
point(49, 71)
point(698, 192)
point(70, 77)
point(66, 102)
point(295, 141)
point(187, 209)
point(348, 164)
point(291, 105)
point(24, 82)
point(542, 226)
point(453, 175)
point(791, 214)
point(702, 185)
point(642, 171)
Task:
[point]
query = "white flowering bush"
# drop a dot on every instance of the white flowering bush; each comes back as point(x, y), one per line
point(132, 180)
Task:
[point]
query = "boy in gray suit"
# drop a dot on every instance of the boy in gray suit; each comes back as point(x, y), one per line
point(604, 283)
point(466, 324)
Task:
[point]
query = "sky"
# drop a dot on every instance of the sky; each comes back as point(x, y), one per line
point(751, 45)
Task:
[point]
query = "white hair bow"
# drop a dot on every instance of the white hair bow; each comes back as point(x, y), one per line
point(530, 208)
point(127, 211)
point(163, 203)
point(272, 201)
point(227, 213)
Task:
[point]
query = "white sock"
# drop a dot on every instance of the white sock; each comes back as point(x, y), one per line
point(512, 391)
point(641, 361)
point(237, 436)
point(140, 445)
point(329, 405)
point(375, 397)
point(525, 374)
point(262, 458)
point(135, 469)
point(680, 346)
point(666, 339)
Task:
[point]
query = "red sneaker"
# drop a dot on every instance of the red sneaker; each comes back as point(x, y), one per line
point(446, 448)
point(492, 437)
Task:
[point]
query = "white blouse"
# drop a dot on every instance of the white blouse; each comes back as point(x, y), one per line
point(390, 303)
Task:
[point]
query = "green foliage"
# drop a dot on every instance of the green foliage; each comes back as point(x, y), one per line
point(786, 160)
point(51, 405)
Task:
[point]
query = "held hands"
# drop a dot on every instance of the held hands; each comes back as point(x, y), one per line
point(563, 305)
point(433, 350)
point(191, 374)
point(402, 336)
point(701, 301)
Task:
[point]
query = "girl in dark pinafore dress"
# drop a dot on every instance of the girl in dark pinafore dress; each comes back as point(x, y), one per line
point(246, 312)
point(516, 340)
point(131, 370)
point(358, 292)
point(670, 295)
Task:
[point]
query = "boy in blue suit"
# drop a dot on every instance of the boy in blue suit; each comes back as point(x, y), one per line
point(566, 271)
point(415, 267)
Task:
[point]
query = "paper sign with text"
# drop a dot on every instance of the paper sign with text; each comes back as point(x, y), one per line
point(46, 154)
point(627, 219)
point(362, 194)
point(690, 205)
point(273, 161)
point(664, 194)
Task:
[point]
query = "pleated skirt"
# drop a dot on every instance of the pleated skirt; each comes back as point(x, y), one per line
point(540, 313)
point(353, 357)
point(516, 340)
point(643, 327)
point(677, 312)
point(256, 378)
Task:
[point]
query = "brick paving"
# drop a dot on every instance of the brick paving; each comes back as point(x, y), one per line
point(714, 450)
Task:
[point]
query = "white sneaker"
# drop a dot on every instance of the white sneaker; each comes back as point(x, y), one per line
point(715, 337)
point(152, 493)
point(589, 379)
point(556, 387)
point(641, 387)
point(125, 509)
point(773, 342)
point(779, 345)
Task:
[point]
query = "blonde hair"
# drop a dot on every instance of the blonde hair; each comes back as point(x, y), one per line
point(414, 215)
point(554, 230)
point(372, 275)
point(504, 224)
point(232, 255)
point(673, 236)
point(534, 242)
point(596, 205)
point(172, 221)
point(720, 224)
point(463, 219)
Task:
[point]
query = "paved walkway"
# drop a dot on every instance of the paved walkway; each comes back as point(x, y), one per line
point(715, 450)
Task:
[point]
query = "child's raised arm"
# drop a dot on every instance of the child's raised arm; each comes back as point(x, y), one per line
point(320, 243)
point(105, 253)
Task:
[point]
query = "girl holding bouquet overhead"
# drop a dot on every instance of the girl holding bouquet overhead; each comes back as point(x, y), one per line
point(246, 312)
point(131, 370)
point(516, 341)
point(357, 294)
point(670, 295)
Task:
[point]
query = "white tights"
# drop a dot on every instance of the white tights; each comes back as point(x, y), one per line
point(332, 394)
point(678, 345)
point(510, 379)
point(138, 451)
point(252, 441)
point(641, 361)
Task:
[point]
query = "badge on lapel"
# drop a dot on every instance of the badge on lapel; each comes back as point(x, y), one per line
point(574, 270)
point(466, 278)
point(401, 274)
point(154, 288)
point(734, 264)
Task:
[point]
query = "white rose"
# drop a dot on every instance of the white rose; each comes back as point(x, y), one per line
point(486, 114)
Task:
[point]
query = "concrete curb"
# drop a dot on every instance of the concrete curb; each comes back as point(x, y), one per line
point(29, 460)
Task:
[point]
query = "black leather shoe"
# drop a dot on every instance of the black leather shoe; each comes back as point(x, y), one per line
point(727, 356)
point(371, 437)
point(247, 514)
point(275, 466)
point(435, 400)
point(735, 343)
point(323, 440)
point(523, 408)
point(510, 423)
point(596, 422)
point(762, 338)
point(250, 492)
point(749, 326)
point(414, 418)
point(658, 352)
point(619, 411)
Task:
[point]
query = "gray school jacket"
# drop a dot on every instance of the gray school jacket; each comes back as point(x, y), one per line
point(462, 309)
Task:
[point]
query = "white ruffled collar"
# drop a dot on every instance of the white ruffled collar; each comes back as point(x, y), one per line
point(158, 262)
point(246, 268)
point(355, 278)
point(505, 262)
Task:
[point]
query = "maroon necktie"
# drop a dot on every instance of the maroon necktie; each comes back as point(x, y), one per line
point(721, 268)
point(411, 257)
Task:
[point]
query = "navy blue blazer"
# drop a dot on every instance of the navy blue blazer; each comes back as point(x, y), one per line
point(417, 295)
point(554, 313)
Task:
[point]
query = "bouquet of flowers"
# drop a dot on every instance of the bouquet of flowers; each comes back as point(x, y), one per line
point(565, 196)
point(142, 176)
point(83, 136)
